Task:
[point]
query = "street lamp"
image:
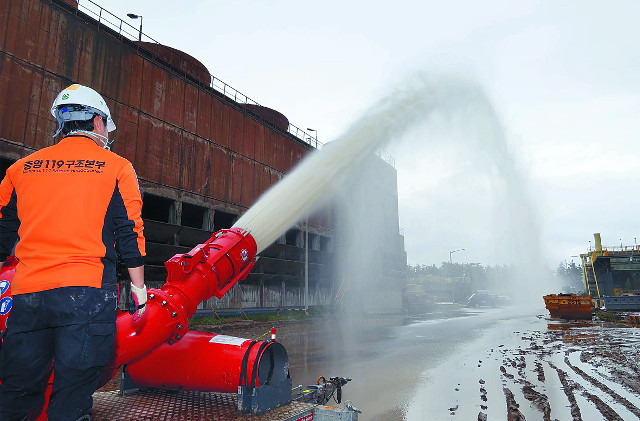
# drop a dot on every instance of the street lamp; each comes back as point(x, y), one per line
point(313, 130)
point(453, 251)
point(306, 265)
point(134, 16)
point(306, 246)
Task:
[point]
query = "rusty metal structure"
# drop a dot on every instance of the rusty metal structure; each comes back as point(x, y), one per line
point(203, 151)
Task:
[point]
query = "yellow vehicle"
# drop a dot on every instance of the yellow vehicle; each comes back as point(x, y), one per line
point(415, 299)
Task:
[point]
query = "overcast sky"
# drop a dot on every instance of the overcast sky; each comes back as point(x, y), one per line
point(563, 77)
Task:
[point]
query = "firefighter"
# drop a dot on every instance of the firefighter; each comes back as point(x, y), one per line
point(64, 208)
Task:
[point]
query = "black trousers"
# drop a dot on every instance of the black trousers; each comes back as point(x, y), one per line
point(73, 328)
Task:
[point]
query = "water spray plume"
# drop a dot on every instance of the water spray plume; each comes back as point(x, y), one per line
point(312, 181)
point(462, 103)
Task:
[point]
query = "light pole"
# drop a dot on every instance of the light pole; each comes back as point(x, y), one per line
point(306, 246)
point(453, 290)
point(306, 266)
point(134, 16)
point(313, 130)
point(451, 252)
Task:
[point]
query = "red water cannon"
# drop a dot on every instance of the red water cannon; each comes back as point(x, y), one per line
point(209, 269)
point(158, 350)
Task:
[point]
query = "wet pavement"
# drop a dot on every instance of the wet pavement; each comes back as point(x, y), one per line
point(464, 364)
point(457, 363)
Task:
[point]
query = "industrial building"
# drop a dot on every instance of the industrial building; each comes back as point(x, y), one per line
point(203, 151)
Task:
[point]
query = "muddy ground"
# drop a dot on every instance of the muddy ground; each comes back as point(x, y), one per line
point(597, 365)
point(501, 368)
point(551, 370)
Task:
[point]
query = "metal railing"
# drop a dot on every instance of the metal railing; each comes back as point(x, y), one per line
point(133, 33)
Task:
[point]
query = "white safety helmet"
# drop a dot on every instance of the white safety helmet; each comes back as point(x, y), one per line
point(80, 103)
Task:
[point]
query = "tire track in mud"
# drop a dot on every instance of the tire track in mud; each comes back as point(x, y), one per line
point(539, 400)
point(516, 359)
point(619, 399)
point(513, 411)
point(529, 385)
point(568, 387)
point(607, 412)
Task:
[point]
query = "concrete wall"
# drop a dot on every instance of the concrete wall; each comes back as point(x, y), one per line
point(250, 296)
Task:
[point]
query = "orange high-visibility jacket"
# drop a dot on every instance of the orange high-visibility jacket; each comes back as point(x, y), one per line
point(67, 205)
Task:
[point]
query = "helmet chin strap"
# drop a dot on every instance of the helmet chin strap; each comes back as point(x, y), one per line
point(97, 136)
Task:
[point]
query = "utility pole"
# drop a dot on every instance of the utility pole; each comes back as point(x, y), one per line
point(306, 266)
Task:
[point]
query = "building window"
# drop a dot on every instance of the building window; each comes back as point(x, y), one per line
point(158, 208)
point(325, 243)
point(294, 238)
point(194, 216)
point(314, 242)
point(223, 220)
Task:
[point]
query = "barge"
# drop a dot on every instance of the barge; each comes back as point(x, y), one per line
point(569, 306)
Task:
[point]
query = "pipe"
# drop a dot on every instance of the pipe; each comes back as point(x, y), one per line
point(210, 363)
point(598, 240)
point(209, 269)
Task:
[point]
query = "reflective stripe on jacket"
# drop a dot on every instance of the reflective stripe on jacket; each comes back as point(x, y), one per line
point(68, 204)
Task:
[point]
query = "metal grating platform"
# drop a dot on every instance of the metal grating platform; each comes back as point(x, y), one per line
point(162, 405)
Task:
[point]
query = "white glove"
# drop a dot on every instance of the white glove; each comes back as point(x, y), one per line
point(140, 298)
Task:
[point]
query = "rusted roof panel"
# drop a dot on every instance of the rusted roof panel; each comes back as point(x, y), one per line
point(4, 22)
point(188, 157)
point(190, 113)
point(268, 149)
point(127, 130)
point(258, 143)
point(154, 85)
point(263, 179)
point(203, 115)
point(130, 87)
point(199, 166)
point(180, 60)
point(242, 179)
point(220, 171)
point(42, 37)
point(237, 141)
point(173, 100)
point(220, 123)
